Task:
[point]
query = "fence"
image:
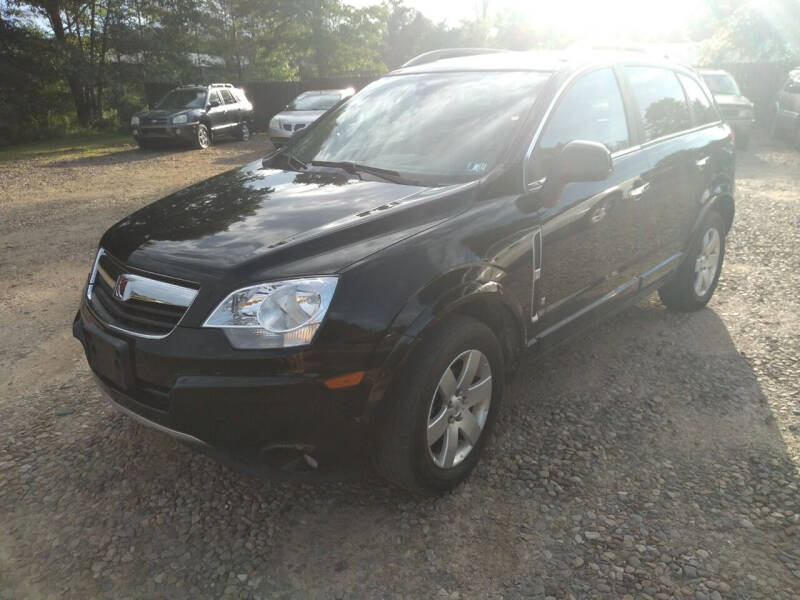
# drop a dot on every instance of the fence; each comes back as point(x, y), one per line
point(270, 97)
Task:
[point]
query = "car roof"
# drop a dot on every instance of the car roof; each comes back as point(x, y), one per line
point(535, 60)
point(713, 72)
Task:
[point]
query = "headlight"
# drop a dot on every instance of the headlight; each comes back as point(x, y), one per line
point(179, 119)
point(282, 314)
point(273, 123)
point(134, 120)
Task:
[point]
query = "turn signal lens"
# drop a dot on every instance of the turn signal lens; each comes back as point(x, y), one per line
point(344, 381)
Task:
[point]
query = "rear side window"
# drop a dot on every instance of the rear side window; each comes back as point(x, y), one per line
point(228, 97)
point(591, 110)
point(702, 109)
point(661, 102)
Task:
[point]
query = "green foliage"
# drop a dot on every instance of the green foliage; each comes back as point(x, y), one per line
point(738, 31)
point(67, 64)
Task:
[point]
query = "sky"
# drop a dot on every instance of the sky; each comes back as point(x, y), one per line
point(577, 16)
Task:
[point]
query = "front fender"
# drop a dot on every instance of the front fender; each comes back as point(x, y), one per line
point(477, 285)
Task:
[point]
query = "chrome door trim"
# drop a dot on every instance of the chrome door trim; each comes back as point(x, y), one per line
point(586, 309)
point(536, 248)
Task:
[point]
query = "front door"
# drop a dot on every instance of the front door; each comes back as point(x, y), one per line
point(590, 253)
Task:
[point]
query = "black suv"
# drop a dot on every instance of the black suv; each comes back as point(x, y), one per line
point(195, 114)
point(787, 109)
point(373, 282)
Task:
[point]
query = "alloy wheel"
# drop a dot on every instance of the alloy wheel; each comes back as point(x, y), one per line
point(707, 263)
point(459, 409)
point(202, 137)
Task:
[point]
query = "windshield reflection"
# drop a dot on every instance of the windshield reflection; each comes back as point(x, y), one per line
point(452, 127)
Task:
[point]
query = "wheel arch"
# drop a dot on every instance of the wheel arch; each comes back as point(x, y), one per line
point(488, 302)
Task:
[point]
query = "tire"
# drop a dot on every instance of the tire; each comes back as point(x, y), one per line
point(693, 284)
point(202, 137)
point(402, 452)
point(244, 131)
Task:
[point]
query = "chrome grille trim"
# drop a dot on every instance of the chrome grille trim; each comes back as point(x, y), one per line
point(140, 291)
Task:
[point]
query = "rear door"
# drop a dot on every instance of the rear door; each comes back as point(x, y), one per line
point(216, 114)
point(589, 245)
point(231, 108)
point(666, 207)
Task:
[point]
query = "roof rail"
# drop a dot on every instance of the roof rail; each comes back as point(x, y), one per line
point(223, 85)
point(443, 53)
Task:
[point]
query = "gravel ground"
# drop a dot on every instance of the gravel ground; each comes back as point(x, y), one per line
point(657, 458)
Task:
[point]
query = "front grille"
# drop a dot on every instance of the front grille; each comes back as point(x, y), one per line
point(154, 313)
point(299, 126)
point(287, 126)
point(156, 121)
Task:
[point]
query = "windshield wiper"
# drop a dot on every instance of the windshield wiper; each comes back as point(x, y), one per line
point(357, 169)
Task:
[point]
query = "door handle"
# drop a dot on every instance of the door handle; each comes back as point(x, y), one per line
point(639, 191)
point(702, 162)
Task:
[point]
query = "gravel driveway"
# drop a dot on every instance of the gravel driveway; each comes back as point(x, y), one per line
point(657, 458)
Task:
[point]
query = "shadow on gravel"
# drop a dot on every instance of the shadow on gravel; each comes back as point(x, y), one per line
point(640, 459)
point(135, 155)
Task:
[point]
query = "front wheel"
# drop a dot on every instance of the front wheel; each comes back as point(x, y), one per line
point(442, 408)
point(202, 138)
point(693, 284)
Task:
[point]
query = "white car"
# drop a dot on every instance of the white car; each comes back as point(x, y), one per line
point(302, 111)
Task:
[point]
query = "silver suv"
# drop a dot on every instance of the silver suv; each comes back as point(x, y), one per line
point(302, 111)
point(736, 109)
point(787, 109)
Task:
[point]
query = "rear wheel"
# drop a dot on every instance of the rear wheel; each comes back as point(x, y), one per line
point(244, 131)
point(442, 408)
point(202, 137)
point(693, 284)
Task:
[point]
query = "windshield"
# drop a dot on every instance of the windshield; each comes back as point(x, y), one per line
point(191, 98)
point(451, 127)
point(722, 84)
point(314, 102)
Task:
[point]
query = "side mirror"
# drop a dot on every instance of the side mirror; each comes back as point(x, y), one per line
point(213, 104)
point(581, 161)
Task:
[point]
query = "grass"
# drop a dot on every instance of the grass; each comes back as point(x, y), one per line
point(72, 146)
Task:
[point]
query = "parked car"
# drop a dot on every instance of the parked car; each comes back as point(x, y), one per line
point(787, 109)
point(736, 109)
point(302, 111)
point(372, 282)
point(195, 114)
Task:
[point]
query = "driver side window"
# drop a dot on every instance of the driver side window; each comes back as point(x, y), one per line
point(591, 110)
point(213, 97)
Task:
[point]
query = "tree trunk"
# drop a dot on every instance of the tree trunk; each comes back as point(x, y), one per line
point(83, 108)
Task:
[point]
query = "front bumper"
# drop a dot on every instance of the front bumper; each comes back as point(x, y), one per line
point(233, 402)
point(184, 131)
point(279, 136)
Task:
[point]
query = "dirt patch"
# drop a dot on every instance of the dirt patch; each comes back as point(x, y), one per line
point(656, 458)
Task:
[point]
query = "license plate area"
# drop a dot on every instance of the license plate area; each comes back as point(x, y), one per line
point(109, 356)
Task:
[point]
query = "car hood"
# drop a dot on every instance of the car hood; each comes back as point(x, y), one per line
point(300, 116)
point(257, 220)
point(731, 100)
